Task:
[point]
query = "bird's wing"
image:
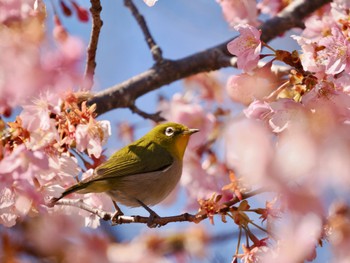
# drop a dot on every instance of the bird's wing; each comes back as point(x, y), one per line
point(131, 160)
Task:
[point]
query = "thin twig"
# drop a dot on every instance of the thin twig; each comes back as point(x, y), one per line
point(97, 23)
point(154, 48)
point(244, 196)
point(275, 93)
point(154, 117)
point(80, 204)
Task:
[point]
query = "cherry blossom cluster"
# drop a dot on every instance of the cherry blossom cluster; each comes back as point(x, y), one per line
point(41, 150)
point(56, 136)
point(300, 143)
point(37, 69)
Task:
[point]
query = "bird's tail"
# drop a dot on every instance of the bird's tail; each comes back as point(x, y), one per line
point(74, 188)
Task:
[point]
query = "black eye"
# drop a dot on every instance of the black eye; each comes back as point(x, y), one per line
point(169, 131)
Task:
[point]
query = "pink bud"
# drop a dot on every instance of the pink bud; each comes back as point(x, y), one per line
point(83, 14)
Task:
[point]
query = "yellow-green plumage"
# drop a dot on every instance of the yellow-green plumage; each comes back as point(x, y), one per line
point(146, 170)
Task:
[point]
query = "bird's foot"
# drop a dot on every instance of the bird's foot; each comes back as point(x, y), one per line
point(154, 220)
point(116, 220)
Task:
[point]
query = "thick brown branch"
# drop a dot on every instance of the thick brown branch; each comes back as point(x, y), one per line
point(155, 49)
point(97, 23)
point(124, 94)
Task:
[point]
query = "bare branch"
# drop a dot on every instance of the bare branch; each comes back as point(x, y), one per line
point(80, 204)
point(154, 117)
point(97, 23)
point(124, 94)
point(158, 221)
point(155, 49)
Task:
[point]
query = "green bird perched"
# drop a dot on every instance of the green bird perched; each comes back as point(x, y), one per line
point(142, 173)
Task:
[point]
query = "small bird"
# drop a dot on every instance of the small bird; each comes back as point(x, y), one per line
point(142, 173)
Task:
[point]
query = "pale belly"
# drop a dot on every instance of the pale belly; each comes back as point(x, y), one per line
point(149, 188)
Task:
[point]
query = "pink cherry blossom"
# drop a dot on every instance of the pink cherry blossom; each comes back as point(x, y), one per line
point(317, 27)
point(249, 142)
point(246, 47)
point(91, 247)
point(207, 85)
point(22, 78)
point(339, 9)
point(63, 170)
point(36, 119)
point(271, 7)
point(36, 115)
point(343, 3)
point(258, 109)
point(252, 255)
point(308, 56)
point(325, 100)
point(239, 12)
point(245, 88)
point(298, 238)
point(59, 33)
point(8, 214)
point(329, 55)
point(18, 183)
point(22, 164)
point(288, 154)
point(18, 10)
point(55, 225)
point(202, 177)
point(286, 113)
point(27, 70)
point(92, 136)
point(341, 82)
point(336, 52)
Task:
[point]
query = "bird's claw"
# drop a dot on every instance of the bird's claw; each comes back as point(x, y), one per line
point(116, 220)
point(154, 220)
point(153, 216)
point(151, 220)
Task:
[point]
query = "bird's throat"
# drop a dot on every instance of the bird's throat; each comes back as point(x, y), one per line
point(181, 144)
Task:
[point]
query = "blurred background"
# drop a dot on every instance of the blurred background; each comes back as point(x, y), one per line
point(180, 28)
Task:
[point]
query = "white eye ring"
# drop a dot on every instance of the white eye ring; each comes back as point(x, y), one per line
point(169, 131)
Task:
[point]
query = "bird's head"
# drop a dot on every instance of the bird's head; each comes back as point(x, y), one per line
point(173, 137)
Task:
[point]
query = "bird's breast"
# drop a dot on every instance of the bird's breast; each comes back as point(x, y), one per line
point(150, 188)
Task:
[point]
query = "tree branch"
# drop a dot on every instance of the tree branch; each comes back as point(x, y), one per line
point(97, 23)
point(154, 48)
point(124, 94)
point(80, 204)
point(158, 221)
point(154, 117)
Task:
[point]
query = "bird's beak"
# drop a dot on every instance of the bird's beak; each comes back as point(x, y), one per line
point(190, 131)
